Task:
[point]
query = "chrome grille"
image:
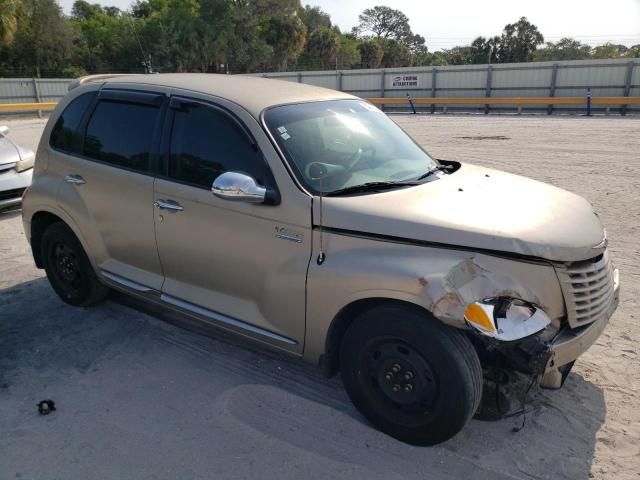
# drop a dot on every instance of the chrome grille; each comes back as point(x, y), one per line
point(588, 289)
point(11, 194)
point(7, 167)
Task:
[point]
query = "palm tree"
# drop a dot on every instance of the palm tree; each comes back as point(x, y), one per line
point(8, 20)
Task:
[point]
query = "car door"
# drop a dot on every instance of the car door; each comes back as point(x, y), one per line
point(108, 184)
point(239, 265)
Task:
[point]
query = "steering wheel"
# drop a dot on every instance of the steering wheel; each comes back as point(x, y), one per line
point(357, 156)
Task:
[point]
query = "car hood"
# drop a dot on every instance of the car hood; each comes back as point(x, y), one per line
point(8, 152)
point(479, 208)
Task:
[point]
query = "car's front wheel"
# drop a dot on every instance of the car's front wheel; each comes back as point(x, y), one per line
point(68, 268)
point(414, 378)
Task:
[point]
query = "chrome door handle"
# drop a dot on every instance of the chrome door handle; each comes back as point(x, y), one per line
point(168, 205)
point(75, 179)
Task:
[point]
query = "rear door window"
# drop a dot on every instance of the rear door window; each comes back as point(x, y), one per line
point(121, 134)
point(64, 135)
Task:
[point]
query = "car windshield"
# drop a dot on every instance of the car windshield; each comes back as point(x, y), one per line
point(336, 145)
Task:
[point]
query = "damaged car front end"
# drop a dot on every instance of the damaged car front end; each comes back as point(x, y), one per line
point(517, 333)
point(510, 274)
point(519, 264)
point(591, 294)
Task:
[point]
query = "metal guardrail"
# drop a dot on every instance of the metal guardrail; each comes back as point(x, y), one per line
point(606, 101)
point(27, 107)
point(588, 101)
point(509, 100)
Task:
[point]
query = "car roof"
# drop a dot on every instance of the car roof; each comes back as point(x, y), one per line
point(254, 94)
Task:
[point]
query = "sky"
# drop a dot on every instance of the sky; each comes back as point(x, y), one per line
point(448, 23)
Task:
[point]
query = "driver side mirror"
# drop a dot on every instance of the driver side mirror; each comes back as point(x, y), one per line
point(4, 131)
point(239, 187)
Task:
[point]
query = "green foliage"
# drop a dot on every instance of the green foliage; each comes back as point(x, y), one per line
point(284, 32)
point(314, 18)
point(322, 48)
point(386, 29)
point(9, 10)
point(396, 54)
point(43, 41)
point(564, 49)
point(349, 52)
point(173, 28)
point(325, 47)
point(610, 50)
point(106, 40)
point(371, 53)
point(458, 56)
point(268, 34)
point(384, 22)
point(73, 72)
point(484, 50)
point(239, 36)
point(518, 42)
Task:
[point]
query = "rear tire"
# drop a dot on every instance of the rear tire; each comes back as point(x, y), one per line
point(68, 268)
point(413, 377)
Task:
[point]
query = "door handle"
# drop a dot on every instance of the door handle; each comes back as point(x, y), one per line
point(168, 205)
point(75, 179)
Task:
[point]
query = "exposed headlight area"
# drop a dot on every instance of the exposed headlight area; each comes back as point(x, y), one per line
point(505, 318)
point(25, 163)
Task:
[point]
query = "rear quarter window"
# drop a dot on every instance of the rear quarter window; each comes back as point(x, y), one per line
point(64, 135)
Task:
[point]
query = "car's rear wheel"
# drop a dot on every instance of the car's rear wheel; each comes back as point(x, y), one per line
point(414, 378)
point(68, 268)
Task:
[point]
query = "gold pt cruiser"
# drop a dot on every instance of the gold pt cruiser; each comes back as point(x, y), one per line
point(306, 219)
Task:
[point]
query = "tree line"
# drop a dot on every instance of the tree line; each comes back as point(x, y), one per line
point(239, 36)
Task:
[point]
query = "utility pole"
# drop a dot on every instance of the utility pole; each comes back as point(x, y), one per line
point(147, 66)
point(488, 90)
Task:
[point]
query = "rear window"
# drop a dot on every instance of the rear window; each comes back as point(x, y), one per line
point(121, 134)
point(64, 135)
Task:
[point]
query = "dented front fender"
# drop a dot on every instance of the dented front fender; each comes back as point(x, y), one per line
point(480, 276)
point(442, 281)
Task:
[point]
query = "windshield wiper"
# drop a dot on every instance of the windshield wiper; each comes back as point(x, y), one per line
point(439, 168)
point(371, 187)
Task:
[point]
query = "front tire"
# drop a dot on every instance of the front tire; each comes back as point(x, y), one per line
point(413, 377)
point(68, 268)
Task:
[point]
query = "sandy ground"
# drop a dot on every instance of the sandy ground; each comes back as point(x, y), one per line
point(140, 397)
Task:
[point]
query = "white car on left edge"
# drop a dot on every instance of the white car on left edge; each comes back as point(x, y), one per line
point(16, 168)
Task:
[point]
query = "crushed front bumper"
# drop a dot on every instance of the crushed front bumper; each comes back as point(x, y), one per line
point(570, 343)
point(551, 359)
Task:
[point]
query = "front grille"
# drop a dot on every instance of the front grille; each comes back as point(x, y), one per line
point(6, 167)
point(9, 194)
point(587, 288)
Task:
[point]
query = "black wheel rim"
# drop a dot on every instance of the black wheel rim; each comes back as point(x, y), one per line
point(398, 377)
point(66, 269)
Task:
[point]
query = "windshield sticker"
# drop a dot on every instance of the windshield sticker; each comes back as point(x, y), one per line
point(282, 129)
point(285, 136)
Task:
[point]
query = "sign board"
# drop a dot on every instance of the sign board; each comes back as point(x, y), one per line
point(405, 81)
